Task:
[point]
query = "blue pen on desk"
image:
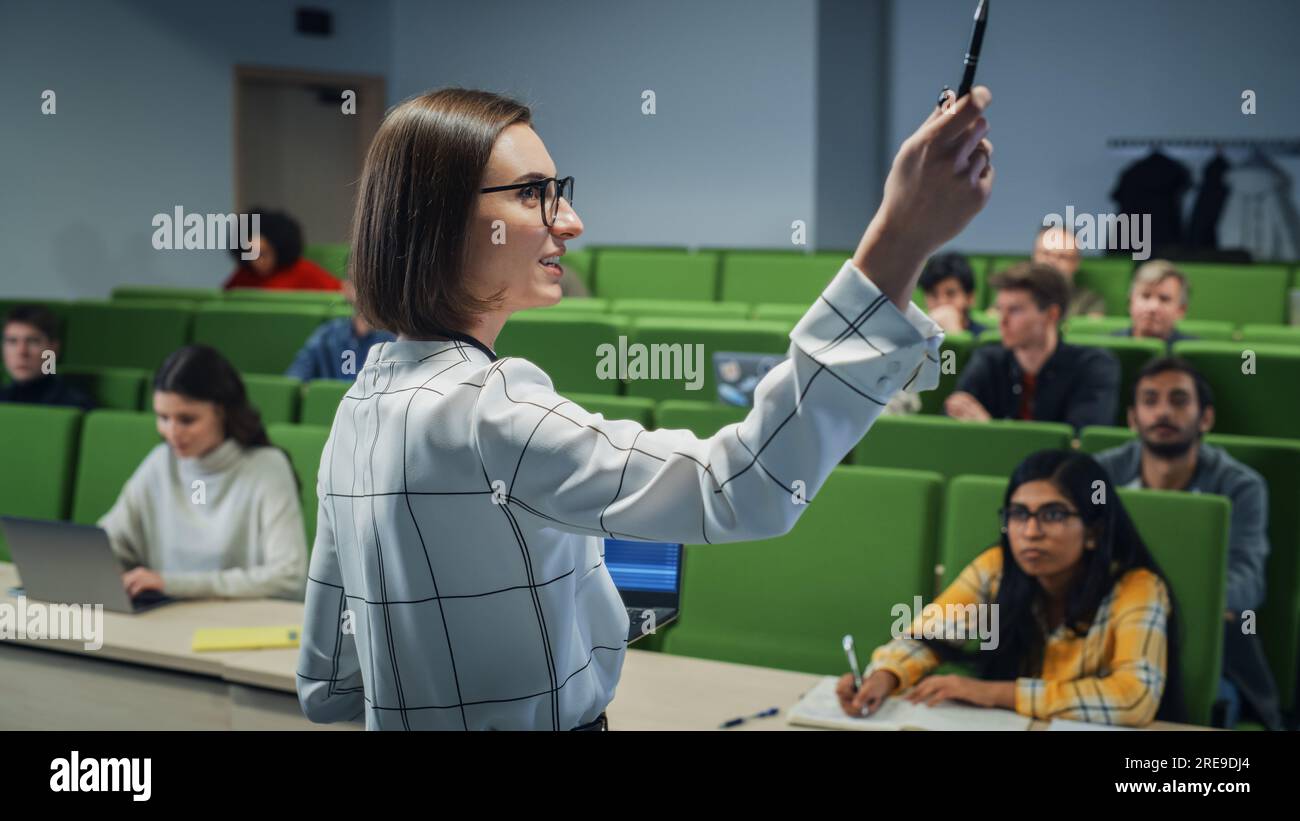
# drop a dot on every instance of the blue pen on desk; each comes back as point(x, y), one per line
point(736, 722)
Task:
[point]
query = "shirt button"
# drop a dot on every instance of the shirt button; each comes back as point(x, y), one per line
point(1015, 389)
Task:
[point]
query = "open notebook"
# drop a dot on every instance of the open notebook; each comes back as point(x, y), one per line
point(820, 708)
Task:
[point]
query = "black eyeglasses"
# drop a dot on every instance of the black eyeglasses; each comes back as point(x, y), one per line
point(547, 194)
point(1047, 515)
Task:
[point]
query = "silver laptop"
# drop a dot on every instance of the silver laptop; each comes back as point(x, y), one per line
point(65, 563)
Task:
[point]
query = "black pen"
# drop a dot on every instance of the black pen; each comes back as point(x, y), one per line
point(972, 54)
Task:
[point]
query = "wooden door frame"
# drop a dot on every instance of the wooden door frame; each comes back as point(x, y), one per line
point(372, 102)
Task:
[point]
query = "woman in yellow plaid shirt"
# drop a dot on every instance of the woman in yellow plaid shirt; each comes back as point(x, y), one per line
point(1088, 629)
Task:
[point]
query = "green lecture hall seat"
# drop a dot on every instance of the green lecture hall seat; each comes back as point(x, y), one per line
point(1278, 461)
point(730, 335)
point(256, 337)
point(320, 400)
point(1252, 333)
point(658, 275)
point(1211, 329)
point(275, 397)
point(796, 280)
point(570, 305)
point(113, 444)
point(1258, 401)
point(304, 444)
point(113, 388)
point(282, 296)
point(635, 408)
point(125, 334)
point(1109, 277)
point(332, 256)
point(701, 418)
point(40, 448)
point(1236, 293)
point(680, 309)
point(865, 543)
point(167, 293)
point(566, 347)
point(951, 447)
point(954, 353)
point(1186, 533)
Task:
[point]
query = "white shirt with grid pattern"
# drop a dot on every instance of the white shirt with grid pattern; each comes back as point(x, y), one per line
point(457, 580)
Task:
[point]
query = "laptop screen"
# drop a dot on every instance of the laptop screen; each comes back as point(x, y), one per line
point(648, 572)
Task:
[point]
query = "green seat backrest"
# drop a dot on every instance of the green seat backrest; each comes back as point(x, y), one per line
point(713, 335)
point(1096, 438)
point(39, 444)
point(1212, 329)
point(782, 312)
point(275, 397)
point(1132, 354)
point(566, 347)
point(255, 337)
point(112, 388)
point(113, 444)
point(1186, 533)
point(304, 444)
point(570, 305)
point(320, 400)
point(658, 275)
point(125, 334)
point(615, 407)
point(332, 256)
point(952, 447)
point(865, 543)
point(1109, 277)
point(1271, 334)
point(1237, 293)
point(680, 309)
point(580, 261)
point(1094, 325)
point(701, 418)
point(164, 292)
point(1250, 401)
point(280, 296)
point(791, 279)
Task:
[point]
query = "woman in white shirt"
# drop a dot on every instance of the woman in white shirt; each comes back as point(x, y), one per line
point(213, 510)
point(457, 579)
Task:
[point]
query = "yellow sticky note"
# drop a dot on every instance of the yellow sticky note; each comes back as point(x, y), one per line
point(245, 638)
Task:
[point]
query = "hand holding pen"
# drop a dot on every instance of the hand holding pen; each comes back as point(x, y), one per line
point(972, 57)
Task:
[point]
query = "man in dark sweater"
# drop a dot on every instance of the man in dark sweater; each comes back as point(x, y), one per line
point(31, 347)
point(1172, 409)
point(1033, 374)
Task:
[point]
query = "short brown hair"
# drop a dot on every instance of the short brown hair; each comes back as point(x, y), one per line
point(37, 316)
point(417, 195)
point(1044, 283)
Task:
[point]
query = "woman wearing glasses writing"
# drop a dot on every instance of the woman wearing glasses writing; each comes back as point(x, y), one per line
point(1087, 627)
point(457, 580)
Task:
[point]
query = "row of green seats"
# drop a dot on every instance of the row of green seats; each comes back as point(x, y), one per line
point(905, 457)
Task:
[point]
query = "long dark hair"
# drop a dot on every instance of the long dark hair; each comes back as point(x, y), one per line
point(201, 372)
point(1119, 549)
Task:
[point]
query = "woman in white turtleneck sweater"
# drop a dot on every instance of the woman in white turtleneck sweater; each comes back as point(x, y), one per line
point(213, 510)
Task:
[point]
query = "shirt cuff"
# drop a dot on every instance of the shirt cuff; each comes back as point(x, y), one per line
point(185, 585)
point(1029, 696)
point(858, 332)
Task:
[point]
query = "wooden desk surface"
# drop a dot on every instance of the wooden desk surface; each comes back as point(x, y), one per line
point(656, 691)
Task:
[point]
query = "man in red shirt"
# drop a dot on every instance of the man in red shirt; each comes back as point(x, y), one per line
point(278, 260)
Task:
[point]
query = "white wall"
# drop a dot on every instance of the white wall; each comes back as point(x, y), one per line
point(144, 123)
point(728, 159)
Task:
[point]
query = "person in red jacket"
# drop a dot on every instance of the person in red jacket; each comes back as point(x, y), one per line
point(279, 262)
